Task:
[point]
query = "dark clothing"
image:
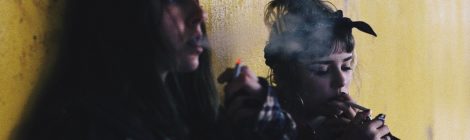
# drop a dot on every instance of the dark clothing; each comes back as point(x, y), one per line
point(269, 121)
point(112, 120)
point(118, 117)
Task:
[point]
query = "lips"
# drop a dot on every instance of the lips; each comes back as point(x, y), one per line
point(198, 50)
point(195, 45)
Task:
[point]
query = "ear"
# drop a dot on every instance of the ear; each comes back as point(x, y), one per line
point(364, 27)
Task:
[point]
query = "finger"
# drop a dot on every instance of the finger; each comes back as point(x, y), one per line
point(375, 124)
point(249, 73)
point(252, 85)
point(346, 110)
point(234, 85)
point(350, 113)
point(250, 80)
point(347, 98)
point(360, 117)
point(382, 131)
point(226, 76)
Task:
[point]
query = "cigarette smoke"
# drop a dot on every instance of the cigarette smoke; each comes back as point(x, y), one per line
point(299, 34)
point(302, 30)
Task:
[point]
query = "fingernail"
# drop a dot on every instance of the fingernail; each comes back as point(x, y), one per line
point(381, 116)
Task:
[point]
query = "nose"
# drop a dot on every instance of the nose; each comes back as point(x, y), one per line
point(338, 79)
point(196, 20)
point(196, 14)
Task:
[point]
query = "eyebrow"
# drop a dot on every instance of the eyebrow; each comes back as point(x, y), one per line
point(330, 61)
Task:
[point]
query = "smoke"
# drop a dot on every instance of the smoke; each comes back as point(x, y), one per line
point(199, 41)
point(305, 29)
point(299, 37)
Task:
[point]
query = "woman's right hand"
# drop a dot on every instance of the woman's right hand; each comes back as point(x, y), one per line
point(243, 94)
point(361, 129)
point(338, 108)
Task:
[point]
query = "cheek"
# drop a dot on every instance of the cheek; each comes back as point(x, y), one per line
point(348, 78)
point(312, 82)
point(169, 28)
point(173, 25)
point(316, 88)
point(316, 94)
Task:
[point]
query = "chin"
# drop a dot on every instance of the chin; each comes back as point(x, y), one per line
point(189, 65)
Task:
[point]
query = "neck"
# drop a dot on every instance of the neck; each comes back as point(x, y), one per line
point(295, 104)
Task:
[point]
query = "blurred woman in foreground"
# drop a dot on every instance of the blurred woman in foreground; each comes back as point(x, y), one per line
point(126, 69)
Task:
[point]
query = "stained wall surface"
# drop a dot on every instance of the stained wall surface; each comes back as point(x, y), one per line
point(416, 71)
point(26, 28)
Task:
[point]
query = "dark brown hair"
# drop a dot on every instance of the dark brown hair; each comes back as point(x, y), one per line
point(104, 81)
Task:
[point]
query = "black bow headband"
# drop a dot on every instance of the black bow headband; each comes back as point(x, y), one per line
point(345, 23)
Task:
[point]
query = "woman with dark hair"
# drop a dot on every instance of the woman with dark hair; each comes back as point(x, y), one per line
point(126, 69)
point(311, 54)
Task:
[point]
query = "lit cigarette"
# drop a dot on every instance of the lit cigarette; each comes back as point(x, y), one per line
point(237, 69)
point(357, 106)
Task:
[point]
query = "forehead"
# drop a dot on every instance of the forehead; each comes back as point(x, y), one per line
point(328, 49)
point(335, 57)
point(331, 58)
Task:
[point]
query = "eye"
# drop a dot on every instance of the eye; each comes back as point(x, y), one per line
point(346, 68)
point(319, 70)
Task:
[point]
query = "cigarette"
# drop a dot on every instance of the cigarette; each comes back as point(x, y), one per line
point(357, 106)
point(237, 69)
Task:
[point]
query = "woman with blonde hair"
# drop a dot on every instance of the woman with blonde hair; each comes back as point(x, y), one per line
point(311, 54)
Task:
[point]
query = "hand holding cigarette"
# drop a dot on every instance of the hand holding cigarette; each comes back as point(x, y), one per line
point(359, 125)
point(241, 91)
point(239, 78)
point(343, 106)
point(379, 119)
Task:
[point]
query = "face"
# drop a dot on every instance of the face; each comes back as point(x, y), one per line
point(182, 22)
point(324, 78)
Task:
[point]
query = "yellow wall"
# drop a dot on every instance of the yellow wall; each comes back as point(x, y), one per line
point(415, 71)
point(23, 24)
